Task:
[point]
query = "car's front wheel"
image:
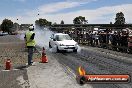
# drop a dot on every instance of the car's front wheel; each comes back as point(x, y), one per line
point(50, 45)
point(58, 50)
point(129, 50)
point(75, 50)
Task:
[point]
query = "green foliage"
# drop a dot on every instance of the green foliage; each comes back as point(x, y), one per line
point(120, 19)
point(6, 25)
point(80, 20)
point(42, 22)
point(62, 22)
point(15, 27)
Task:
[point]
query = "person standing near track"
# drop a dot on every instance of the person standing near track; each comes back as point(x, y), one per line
point(30, 43)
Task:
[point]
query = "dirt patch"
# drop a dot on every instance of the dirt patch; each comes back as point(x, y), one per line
point(11, 47)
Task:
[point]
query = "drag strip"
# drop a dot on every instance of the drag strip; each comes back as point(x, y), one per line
point(94, 63)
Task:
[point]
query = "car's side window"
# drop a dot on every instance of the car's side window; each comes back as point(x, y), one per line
point(57, 37)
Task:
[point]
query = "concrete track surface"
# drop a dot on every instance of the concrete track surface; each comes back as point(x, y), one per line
point(61, 71)
point(97, 61)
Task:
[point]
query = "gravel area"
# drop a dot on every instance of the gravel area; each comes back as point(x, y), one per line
point(11, 47)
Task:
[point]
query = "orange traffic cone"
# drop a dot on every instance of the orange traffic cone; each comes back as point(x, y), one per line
point(44, 58)
point(8, 64)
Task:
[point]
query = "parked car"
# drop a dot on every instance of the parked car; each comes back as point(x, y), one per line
point(3, 33)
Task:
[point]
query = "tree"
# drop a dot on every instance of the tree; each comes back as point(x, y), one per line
point(62, 22)
point(80, 20)
point(61, 29)
point(0, 28)
point(120, 19)
point(6, 25)
point(43, 22)
point(15, 26)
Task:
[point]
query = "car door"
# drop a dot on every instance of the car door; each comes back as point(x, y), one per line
point(54, 43)
point(53, 40)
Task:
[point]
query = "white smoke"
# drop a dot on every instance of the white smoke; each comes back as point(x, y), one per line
point(21, 35)
point(79, 49)
point(42, 37)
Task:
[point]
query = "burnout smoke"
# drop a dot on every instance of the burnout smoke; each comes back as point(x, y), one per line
point(42, 39)
point(79, 49)
point(21, 35)
point(42, 36)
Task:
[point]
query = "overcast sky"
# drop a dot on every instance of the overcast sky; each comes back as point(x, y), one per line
point(95, 11)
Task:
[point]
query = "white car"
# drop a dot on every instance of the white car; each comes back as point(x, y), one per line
point(63, 42)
